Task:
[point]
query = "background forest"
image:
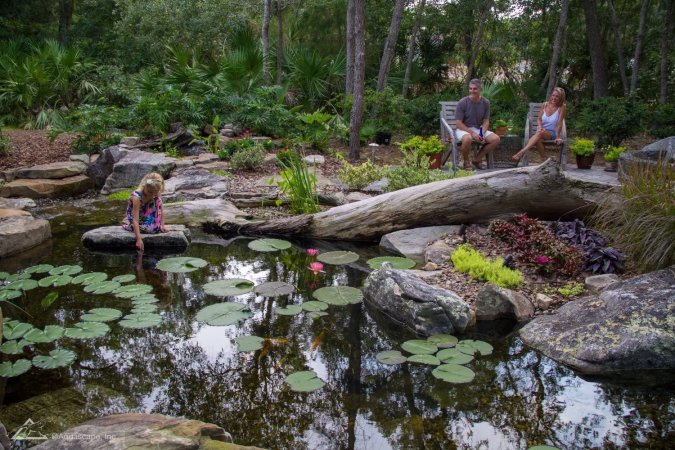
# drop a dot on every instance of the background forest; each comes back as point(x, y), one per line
point(302, 67)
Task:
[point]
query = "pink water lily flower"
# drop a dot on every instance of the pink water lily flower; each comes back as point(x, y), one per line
point(315, 267)
point(312, 251)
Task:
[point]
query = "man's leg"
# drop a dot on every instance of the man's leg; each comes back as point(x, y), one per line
point(466, 150)
point(492, 142)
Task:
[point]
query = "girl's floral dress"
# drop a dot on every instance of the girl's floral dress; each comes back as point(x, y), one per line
point(149, 214)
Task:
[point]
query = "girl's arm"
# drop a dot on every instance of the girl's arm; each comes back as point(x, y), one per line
point(135, 212)
point(160, 215)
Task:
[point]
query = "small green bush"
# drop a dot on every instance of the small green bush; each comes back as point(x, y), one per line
point(612, 153)
point(467, 260)
point(423, 147)
point(659, 120)
point(5, 147)
point(571, 289)
point(582, 147)
point(358, 177)
point(611, 119)
point(120, 195)
point(287, 157)
point(248, 158)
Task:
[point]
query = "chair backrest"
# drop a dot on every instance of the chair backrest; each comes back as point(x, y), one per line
point(448, 113)
point(532, 117)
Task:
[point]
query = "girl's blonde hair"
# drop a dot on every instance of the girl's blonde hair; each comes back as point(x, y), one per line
point(561, 93)
point(152, 183)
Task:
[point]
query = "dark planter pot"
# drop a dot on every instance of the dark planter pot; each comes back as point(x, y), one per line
point(611, 166)
point(585, 162)
point(500, 131)
point(435, 161)
point(382, 138)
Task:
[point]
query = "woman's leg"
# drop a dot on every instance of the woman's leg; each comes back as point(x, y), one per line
point(534, 140)
point(546, 136)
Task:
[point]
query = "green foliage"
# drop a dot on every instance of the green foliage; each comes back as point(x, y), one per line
point(385, 109)
point(288, 156)
point(467, 260)
point(358, 177)
point(120, 195)
point(571, 289)
point(248, 158)
point(5, 145)
point(611, 119)
point(420, 114)
point(300, 186)
point(424, 147)
point(315, 77)
point(582, 147)
point(263, 111)
point(313, 129)
point(612, 153)
point(414, 170)
point(659, 120)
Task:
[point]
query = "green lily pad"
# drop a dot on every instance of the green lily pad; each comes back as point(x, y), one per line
point(65, 270)
point(453, 356)
point(13, 347)
point(419, 347)
point(145, 299)
point(87, 330)
point(222, 314)
point(8, 370)
point(13, 329)
point(396, 262)
point(391, 357)
point(181, 264)
point(101, 315)
point(88, 278)
point(22, 285)
point(290, 310)
point(145, 308)
point(429, 360)
point(338, 257)
point(125, 278)
point(274, 289)
point(40, 268)
point(471, 347)
point(50, 334)
point(314, 305)
point(145, 320)
point(18, 276)
point(443, 340)
point(102, 287)
point(453, 373)
point(228, 287)
point(56, 358)
point(55, 280)
point(49, 299)
point(338, 295)
point(9, 294)
point(269, 245)
point(249, 343)
point(305, 381)
point(316, 314)
point(132, 290)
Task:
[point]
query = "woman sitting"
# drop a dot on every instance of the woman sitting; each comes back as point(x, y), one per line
point(549, 124)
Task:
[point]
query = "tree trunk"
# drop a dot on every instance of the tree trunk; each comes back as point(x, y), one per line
point(280, 44)
point(390, 44)
point(477, 198)
point(595, 50)
point(619, 50)
point(356, 118)
point(411, 47)
point(557, 45)
point(349, 75)
point(475, 45)
point(65, 18)
point(638, 46)
point(666, 32)
point(266, 41)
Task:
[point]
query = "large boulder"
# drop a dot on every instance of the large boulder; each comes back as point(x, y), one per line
point(101, 169)
point(47, 188)
point(414, 304)
point(413, 243)
point(10, 212)
point(117, 238)
point(129, 170)
point(494, 303)
point(195, 183)
point(19, 233)
point(199, 212)
point(55, 170)
point(662, 152)
point(629, 326)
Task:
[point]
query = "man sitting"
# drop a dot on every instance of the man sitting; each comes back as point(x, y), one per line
point(473, 120)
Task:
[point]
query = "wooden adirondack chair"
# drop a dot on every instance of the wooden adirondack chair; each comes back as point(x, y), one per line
point(448, 127)
point(531, 128)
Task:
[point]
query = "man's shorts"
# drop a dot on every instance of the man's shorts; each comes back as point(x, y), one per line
point(459, 133)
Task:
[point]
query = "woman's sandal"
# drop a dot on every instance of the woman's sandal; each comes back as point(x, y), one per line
point(479, 165)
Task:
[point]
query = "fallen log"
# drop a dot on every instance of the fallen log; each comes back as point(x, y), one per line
point(541, 191)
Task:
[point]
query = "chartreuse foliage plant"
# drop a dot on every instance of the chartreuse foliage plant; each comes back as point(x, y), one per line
point(582, 147)
point(473, 262)
point(358, 177)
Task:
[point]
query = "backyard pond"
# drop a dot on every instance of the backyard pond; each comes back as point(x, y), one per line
point(183, 366)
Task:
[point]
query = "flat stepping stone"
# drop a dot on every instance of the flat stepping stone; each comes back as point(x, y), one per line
point(9, 212)
point(20, 233)
point(56, 170)
point(16, 203)
point(117, 238)
point(47, 188)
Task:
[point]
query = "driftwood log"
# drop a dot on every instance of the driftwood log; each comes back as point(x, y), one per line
point(541, 191)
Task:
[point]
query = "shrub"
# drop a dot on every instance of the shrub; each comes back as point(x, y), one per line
point(420, 114)
point(582, 147)
point(467, 260)
point(611, 119)
point(248, 158)
point(288, 156)
point(571, 289)
point(314, 129)
point(659, 120)
point(612, 153)
point(5, 146)
point(423, 147)
point(385, 109)
point(358, 177)
point(599, 257)
point(300, 186)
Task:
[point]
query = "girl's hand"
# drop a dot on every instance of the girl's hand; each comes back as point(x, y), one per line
point(139, 244)
point(163, 229)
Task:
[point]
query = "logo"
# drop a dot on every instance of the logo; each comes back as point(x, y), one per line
point(29, 431)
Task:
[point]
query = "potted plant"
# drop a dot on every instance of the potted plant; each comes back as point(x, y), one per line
point(430, 148)
point(611, 155)
point(500, 127)
point(584, 150)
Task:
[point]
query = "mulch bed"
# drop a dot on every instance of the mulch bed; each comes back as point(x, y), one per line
point(33, 147)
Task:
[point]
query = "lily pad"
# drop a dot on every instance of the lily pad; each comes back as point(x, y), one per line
point(274, 289)
point(429, 360)
point(338, 257)
point(145, 308)
point(56, 358)
point(145, 320)
point(269, 245)
point(18, 276)
point(103, 287)
point(228, 287)
point(391, 357)
point(125, 278)
point(13, 347)
point(453, 373)
point(8, 370)
point(101, 315)
point(443, 340)
point(65, 270)
point(88, 278)
point(49, 299)
point(290, 310)
point(471, 347)
point(13, 329)
point(222, 314)
point(316, 314)
point(132, 290)
point(419, 347)
point(87, 330)
point(9, 294)
point(305, 381)
point(314, 305)
point(249, 343)
point(49, 334)
point(40, 268)
point(453, 356)
point(55, 280)
point(396, 262)
point(22, 285)
point(145, 299)
point(338, 295)
point(181, 264)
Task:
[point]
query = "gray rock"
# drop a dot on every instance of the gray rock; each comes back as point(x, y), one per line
point(81, 157)
point(438, 252)
point(494, 302)
point(102, 167)
point(357, 196)
point(646, 159)
point(216, 190)
point(191, 178)
point(377, 187)
point(199, 212)
point(17, 203)
point(56, 170)
point(5, 443)
point(627, 327)
point(413, 243)
point(11, 212)
point(130, 141)
point(314, 160)
point(411, 303)
point(47, 188)
point(656, 149)
point(543, 301)
point(184, 163)
point(129, 170)
point(206, 158)
point(117, 238)
point(597, 283)
point(8, 175)
point(19, 233)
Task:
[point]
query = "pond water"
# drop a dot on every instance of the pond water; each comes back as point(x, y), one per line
point(182, 367)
